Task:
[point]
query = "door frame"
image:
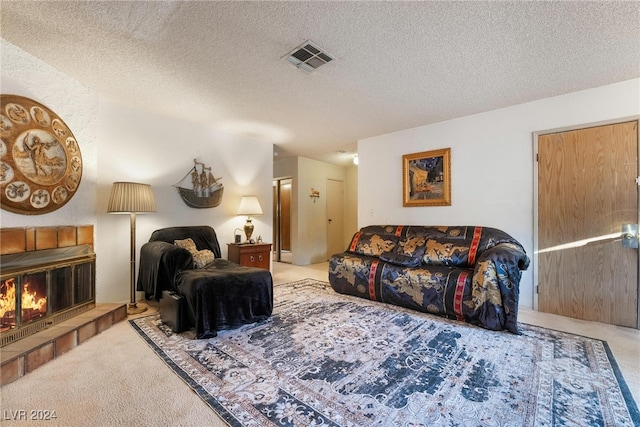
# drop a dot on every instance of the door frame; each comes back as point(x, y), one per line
point(535, 136)
point(341, 211)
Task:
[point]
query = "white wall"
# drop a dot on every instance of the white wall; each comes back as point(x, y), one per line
point(351, 205)
point(122, 144)
point(27, 76)
point(312, 217)
point(492, 163)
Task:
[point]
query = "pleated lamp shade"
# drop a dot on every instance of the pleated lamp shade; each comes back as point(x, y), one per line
point(131, 197)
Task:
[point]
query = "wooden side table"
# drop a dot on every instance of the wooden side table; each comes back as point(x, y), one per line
point(250, 254)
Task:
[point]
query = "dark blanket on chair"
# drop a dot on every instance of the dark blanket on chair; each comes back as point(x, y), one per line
point(225, 295)
point(222, 295)
point(159, 264)
point(203, 236)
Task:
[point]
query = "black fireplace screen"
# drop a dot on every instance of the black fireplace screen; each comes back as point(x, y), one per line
point(41, 287)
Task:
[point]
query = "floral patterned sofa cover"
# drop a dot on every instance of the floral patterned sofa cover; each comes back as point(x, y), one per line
point(467, 273)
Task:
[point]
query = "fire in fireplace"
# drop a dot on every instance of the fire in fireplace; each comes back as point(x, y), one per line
point(40, 288)
point(33, 303)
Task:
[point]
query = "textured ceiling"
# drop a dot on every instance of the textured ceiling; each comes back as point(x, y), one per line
point(398, 64)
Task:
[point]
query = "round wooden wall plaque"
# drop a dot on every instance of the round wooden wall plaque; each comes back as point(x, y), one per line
point(40, 160)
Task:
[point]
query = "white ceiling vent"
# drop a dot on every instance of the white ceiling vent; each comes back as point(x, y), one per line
point(308, 56)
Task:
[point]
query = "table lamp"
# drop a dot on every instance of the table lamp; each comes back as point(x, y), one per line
point(249, 205)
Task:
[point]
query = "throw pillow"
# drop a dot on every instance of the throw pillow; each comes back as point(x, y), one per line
point(203, 257)
point(200, 258)
point(187, 244)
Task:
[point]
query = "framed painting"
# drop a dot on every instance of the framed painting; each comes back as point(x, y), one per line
point(426, 178)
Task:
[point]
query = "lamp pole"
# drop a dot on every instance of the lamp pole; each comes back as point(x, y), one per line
point(132, 304)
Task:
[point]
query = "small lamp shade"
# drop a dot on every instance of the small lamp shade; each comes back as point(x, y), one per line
point(131, 197)
point(249, 205)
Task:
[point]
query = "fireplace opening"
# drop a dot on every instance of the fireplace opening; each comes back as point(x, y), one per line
point(30, 299)
point(41, 288)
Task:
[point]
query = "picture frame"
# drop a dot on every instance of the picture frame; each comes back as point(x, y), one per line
point(426, 178)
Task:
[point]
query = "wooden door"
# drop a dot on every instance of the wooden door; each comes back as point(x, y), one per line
point(275, 237)
point(281, 218)
point(285, 216)
point(586, 191)
point(335, 217)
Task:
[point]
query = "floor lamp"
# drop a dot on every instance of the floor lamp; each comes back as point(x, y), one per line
point(132, 198)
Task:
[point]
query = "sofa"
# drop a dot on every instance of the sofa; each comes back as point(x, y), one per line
point(219, 294)
point(468, 273)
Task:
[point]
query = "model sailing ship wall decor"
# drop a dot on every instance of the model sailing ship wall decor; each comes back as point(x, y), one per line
point(206, 190)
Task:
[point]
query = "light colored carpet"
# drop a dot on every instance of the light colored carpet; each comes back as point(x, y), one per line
point(114, 379)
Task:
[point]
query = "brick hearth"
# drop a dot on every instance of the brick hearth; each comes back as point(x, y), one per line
point(21, 357)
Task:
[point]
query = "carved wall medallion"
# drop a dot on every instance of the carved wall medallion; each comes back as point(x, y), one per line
point(40, 160)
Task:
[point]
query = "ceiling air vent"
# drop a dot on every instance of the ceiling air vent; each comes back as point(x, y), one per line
point(308, 57)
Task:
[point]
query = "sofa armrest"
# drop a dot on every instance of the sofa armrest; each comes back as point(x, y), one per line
point(496, 282)
point(160, 262)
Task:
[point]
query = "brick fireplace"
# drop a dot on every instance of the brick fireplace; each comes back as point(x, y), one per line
point(47, 295)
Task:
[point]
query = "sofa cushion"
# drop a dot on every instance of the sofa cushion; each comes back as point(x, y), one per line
point(412, 247)
point(401, 259)
point(372, 244)
point(446, 252)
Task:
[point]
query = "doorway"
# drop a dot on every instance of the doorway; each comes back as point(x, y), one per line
point(282, 220)
point(587, 191)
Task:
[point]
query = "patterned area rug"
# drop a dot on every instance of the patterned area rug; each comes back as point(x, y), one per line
point(325, 359)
